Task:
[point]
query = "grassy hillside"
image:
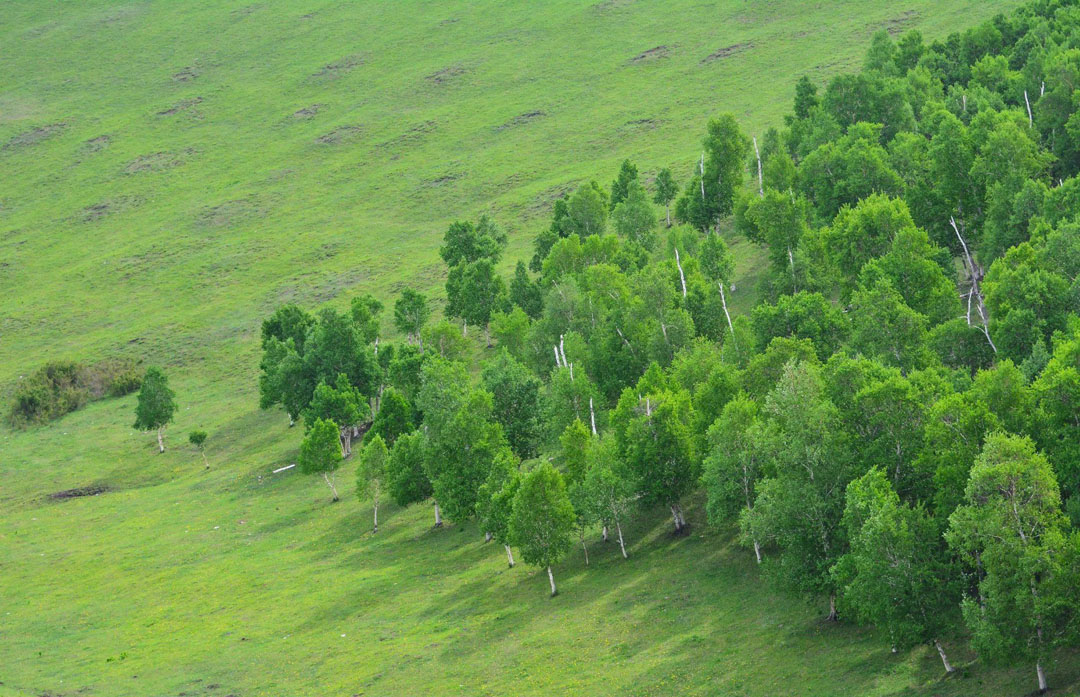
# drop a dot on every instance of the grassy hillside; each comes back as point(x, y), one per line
point(173, 171)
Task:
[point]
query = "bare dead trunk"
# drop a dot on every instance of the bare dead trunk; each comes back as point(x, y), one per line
point(330, 483)
point(161, 440)
point(551, 577)
point(944, 658)
point(1043, 687)
point(438, 516)
point(833, 617)
point(509, 556)
point(622, 545)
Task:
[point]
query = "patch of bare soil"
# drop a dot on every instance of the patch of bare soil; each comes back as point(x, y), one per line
point(896, 25)
point(521, 120)
point(410, 137)
point(33, 136)
point(340, 67)
point(97, 143)
point(341, 134)
point(108, 207)
point(229, 213)
point(610, 5)
point(186, 74)
point(652, 54)
point(181, 106)
point(307, 112)
point(156, 162)
point(728, 51)
point(78, 492)
point(440, 77)
point(444, 179)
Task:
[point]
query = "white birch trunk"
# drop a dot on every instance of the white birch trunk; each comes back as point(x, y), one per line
point(160, 440)
point(1031, 121)
point(464, 328)
point(832, 608)
point(760, 179)
point(292, 421)
point(668, 208)
point(592, 421)
point(757, 551)
point(509, 556)
point(791, 260)
point(584, 547)
point(562, 351)
point(376, 527)
point(622, 545)
point(551, 577)
point(682, 276)
point(438, 515)
point(1043, 687)
point(676, 517)
point(944, 658)
point(603, 533)
point(558, 363)
point(487, 537)
point(702, 170)
point(723, 301)
point(487, 334)
point(330, 483)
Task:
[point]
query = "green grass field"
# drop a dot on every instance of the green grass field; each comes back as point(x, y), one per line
point(171, 172)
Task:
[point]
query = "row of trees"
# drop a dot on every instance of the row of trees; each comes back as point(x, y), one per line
point(894, 429)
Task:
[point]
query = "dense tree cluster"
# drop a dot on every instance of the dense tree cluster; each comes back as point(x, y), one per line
point(895, 428)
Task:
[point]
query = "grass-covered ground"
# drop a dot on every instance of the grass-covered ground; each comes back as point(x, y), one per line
point(173, 171)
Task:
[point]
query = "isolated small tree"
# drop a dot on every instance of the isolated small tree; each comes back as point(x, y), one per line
point(156, 405)
point(198, 439)
point(371, 475)
point(320, 452)
point(666, 191)
point(542, 519)
point(411, 313)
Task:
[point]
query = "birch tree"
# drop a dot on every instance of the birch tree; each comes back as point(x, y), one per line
point(371, 474)
point(156, 405)
point(897, 574)
point(1012, 524)
point(320, 452)
point(542, 519)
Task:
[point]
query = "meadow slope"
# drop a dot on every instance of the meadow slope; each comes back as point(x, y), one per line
point(174, 171)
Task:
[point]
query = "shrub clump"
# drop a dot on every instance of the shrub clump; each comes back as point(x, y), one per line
point(61, 387)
